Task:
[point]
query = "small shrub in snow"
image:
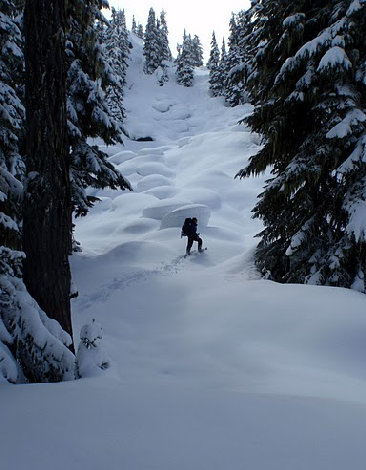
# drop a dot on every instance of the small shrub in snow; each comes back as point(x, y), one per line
point(91, 359)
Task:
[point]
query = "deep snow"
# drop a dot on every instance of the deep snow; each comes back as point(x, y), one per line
point(211, 366)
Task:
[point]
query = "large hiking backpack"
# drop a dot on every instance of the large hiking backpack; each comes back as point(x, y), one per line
point(186, 228)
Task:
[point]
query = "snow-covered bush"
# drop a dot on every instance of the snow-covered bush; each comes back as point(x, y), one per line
point(35, 347)
point(91, 360)
point(9, 371)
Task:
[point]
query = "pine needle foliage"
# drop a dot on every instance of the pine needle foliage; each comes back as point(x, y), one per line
point(89, 115)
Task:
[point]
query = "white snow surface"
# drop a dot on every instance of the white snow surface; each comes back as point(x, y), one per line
point(211, 367)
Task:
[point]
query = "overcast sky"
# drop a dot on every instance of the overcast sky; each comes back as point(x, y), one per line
point(196, 16)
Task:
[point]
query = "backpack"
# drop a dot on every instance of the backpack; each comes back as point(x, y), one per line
point(186, 229)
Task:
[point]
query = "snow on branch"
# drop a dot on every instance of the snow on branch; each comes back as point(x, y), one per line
point(357, 220)
point(312, 47)
point(298, 239)
point(335, 57)
point(354, 7)
point(357, 155)
point(344, 128)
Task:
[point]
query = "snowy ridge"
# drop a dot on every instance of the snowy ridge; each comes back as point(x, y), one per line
point(211, 366)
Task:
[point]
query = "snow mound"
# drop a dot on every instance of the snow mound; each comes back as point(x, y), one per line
point(162, 105)
point(104, 204)
point(122, 157)
point(152, 151)
point(154, 168)
point(131, 203)
point(133, 164)
point(162, 192)
point(162, 208)
point(140, 226)
point(203, 196)
point(179, 113)
point(210, 179)
point(133, 251)
point(152, 181)
point(176, 217)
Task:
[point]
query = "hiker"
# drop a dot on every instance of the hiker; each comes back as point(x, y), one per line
point(189, 229)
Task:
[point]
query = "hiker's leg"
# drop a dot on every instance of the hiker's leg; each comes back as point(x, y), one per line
point(189, 245)
point(199, 240)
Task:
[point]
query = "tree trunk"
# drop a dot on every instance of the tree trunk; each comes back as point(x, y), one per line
point(47, 204)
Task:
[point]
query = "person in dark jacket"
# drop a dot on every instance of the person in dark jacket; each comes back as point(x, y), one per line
point(191, 232)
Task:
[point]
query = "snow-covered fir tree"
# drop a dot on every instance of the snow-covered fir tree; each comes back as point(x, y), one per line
point(11, 124)
point(309, 78)
point(152, 44)
point(197, 51)
point(213, 64)
point(137, 28)
point(214, 57)
point(134, 26)
point(165, 53)
point(116, 43)
point(163, 38)
point(89, 115)
point(140, 31)
point(236, 65)
point(185, 67)
point(223, 51)
point(157, 53)
point(11, 171)
point(193, 49)
point(33, 347)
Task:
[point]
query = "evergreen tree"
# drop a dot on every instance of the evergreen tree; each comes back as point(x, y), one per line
point(87, 109)
point(185, 68)
point(223, 52)
point(197, 51)
point(117, 51)
point(163, 39)
point(11, 170)
point(152, 45)
point(164, 77)
point(134, 25)
point(214, 58)
point(11, 124)
point(309, 78)
point(220, 81)
point(215, 77)
point(32, 347)
point(236, 65)
point(140, 31)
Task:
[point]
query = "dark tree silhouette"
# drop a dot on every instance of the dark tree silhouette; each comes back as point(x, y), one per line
point(47, 203)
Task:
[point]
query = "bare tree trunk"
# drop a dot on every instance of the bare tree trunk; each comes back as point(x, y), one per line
point(47, 206)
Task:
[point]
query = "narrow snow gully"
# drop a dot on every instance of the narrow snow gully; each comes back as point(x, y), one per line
point(211, 367)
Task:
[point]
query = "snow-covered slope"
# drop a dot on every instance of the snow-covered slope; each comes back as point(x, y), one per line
point(211, 367)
